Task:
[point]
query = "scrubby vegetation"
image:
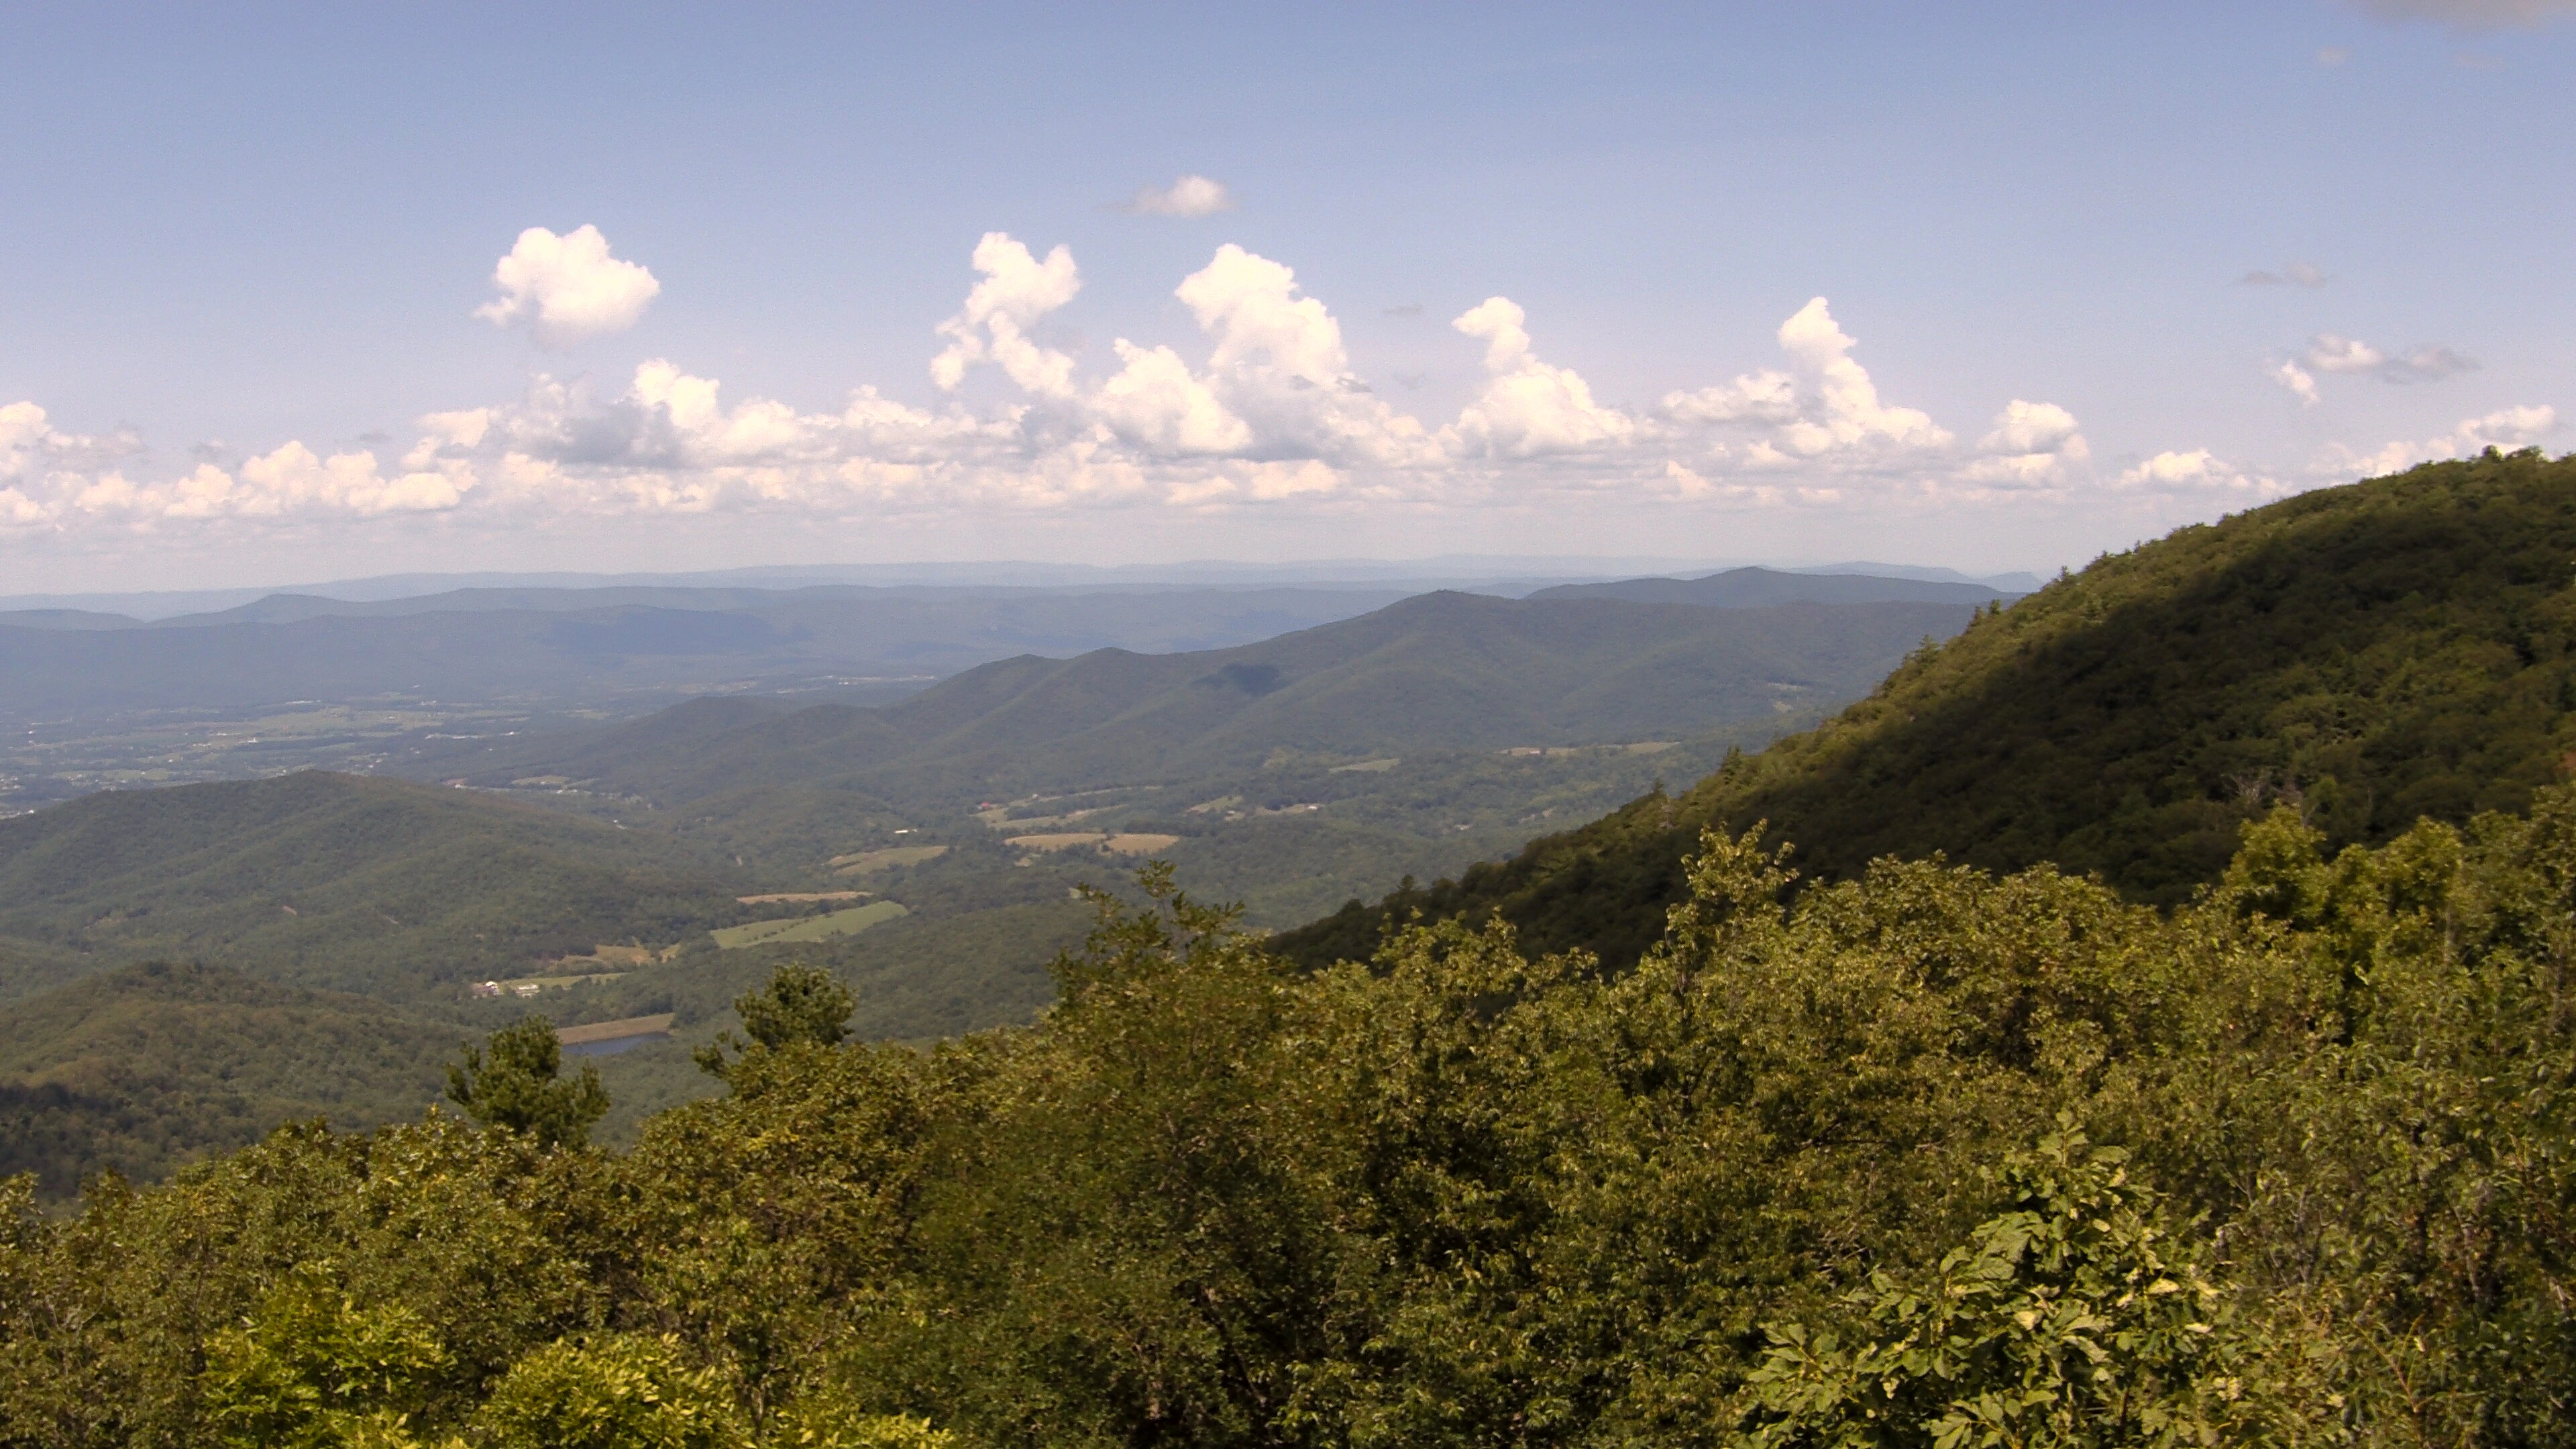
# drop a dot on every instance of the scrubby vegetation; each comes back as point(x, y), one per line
point(1921, 1156)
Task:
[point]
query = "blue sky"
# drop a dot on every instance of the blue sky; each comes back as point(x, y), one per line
point(245, 250)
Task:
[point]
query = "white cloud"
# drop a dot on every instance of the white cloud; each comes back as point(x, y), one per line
point(1279, 365)
point(1263, 409)
point(2029, 427)
point(2197, 471)
point(1824, 407)
point(2505, 430)
point(2032, 445)
point(2297, 379)
point(2329, 353)
point(567, 289)
point(1017, 291)
point(1527, 408)
point(1190, 195)
point(2429, 362)
point(2296, 274)
point(1157, 401)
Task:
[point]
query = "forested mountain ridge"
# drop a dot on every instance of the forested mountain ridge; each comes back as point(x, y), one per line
point(599, 644)
point(2396, 648)
point(1758, 588)
point(151, 1066)
point(1441, 670)
point(407, 892)
point(339, 881)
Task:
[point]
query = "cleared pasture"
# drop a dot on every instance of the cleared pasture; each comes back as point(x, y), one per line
point(809, 928)
point(868, 861)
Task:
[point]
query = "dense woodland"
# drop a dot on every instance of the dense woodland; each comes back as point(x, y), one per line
point(2401, 648)
point(1924, 1156)
point(1742, 1117)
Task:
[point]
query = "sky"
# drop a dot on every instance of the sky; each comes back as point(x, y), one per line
point(307, 292)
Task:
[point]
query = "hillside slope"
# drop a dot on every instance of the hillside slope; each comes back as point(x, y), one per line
point(2400, 647)
point(151, 1066)
point(336, 881)
point(1446, 670)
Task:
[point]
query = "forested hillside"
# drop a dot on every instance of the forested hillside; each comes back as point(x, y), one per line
point(1761, 588)
point(334, 881)
point(1924, 1156)
point(2404, 647)
point(1442, 671)
point(1286, 774)
point(146, 1068)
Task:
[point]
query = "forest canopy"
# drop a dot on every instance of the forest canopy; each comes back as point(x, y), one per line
point(1919, 1156)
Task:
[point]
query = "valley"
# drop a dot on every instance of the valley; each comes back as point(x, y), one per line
point(617, 869)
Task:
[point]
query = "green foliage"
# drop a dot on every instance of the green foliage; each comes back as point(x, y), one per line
point(148, 1067)
point(620, 1391)
point(800, 1006)
point(2072, 1319)
point(512, 1082)
point(1776, 1182)
point(2401, 648)
point(310, 1370)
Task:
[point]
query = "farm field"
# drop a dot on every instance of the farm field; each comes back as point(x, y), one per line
point(809, 928)
point(868, 862)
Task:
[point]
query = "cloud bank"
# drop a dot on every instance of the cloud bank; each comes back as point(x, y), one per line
point(1263, 409)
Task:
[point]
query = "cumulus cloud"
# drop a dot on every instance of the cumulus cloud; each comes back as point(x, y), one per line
point(2505, 430)
point(1279, 364)
point(1260, 409)
point(2030, 445)
point(1823, 406)
point(2197, 471)
point(1527, 407)
point(1189, 195)
point(1157, 401)
point(53, 480)
point(993, 326)
point(2429, 362)
point(2296, 274)
point(2301, 383)
point(567, 289)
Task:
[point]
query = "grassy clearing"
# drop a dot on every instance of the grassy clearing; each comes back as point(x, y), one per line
point(866, 861)
point(802, 896)
point(1369, 767)
point(1066, 840)
point(809, 928)
point(606, 955)
point(530, 985)
point(1139, 844)
point(612, 1030)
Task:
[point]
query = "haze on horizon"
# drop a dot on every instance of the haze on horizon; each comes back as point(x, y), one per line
point(305, 294)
